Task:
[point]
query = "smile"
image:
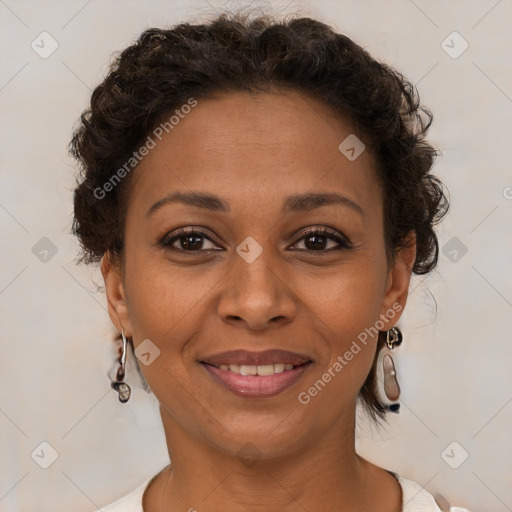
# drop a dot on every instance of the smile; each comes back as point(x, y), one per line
point(263, 369)
point(256, 381)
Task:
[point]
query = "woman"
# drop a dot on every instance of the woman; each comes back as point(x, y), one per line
point(258, 193)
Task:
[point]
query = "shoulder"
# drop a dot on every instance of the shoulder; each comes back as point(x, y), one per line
point(416, 499)
point(130, 503)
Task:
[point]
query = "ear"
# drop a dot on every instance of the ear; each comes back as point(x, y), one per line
point(116, 296)
point(397, 285)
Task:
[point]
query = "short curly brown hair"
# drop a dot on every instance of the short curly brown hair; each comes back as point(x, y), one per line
point(236, 52)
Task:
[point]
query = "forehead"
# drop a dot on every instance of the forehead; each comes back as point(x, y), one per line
point(251, 144)
point(279, 121)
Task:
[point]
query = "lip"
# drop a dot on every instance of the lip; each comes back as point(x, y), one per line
point(256, 358)
point(257, 386)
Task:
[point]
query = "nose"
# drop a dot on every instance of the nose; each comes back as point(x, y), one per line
point(256, 294)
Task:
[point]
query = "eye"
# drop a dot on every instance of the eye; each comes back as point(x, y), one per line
point(315, 239)
point(193, 240)
point(190, 240)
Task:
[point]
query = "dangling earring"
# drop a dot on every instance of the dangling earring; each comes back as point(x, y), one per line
point(387, 388)
point(121, 387)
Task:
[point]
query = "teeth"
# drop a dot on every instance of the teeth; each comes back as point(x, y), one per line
point(262, 369)
point(246, 369)
point(266, 369)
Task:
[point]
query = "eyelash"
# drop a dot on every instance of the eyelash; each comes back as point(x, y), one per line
point(167, 241)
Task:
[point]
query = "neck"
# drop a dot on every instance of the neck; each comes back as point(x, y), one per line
point(319, 473)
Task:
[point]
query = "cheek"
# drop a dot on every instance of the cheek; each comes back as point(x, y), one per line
point(169, 306)
point(163, 297)
point(349, 314)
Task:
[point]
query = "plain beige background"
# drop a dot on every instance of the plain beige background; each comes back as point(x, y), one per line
point(454, 366)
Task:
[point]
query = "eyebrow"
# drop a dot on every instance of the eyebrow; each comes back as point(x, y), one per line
point(296, 203)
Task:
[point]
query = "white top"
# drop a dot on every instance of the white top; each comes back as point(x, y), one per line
point(414, 497)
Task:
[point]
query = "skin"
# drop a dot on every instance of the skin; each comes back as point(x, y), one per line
point(255, 150)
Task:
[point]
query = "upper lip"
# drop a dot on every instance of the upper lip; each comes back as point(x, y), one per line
point(247, 357)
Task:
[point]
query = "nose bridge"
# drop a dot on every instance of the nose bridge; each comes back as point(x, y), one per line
point(254, 291)
point(255, 269)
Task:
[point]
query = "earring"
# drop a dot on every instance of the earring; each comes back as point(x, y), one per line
point(387, 388)
point(121, 387)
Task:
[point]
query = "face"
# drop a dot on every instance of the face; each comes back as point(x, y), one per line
point(268, 264)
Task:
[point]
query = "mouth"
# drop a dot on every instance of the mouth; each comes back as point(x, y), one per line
point(256, 374)
point(260, 369)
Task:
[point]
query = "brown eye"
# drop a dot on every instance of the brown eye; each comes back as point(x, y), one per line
point(315, 240)
point(189, 240)
point(193, 240)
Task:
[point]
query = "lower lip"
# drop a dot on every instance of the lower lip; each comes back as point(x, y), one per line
point(257, 386)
